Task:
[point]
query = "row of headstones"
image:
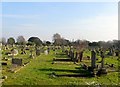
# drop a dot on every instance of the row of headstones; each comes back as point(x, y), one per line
point(111, 52)
point(38, 51)
point(78, 56)
point(75, 56)
point(23, 49)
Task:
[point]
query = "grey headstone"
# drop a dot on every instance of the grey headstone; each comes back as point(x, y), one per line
point(17, 61)
point(102, 62)
point(37, 52)
point(93, 59)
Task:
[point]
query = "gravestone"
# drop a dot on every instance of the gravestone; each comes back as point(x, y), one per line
point(14, 52)
point(62, 48)
point(76, 57)
point(72, 55)
point(31, 54)
point(42, 50)
point(66, 51)
point(93, 59)
point(81, 55)
point(17, 61)
point(110, 53)
point(116, 53)
point(37, 52)
point(23, 51)
point(102, 70)
point(27, 48)
point(46, 52)
point(102, 56)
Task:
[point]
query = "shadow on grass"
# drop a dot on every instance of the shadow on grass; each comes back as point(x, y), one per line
point(64, 70)
point(61, 55)
point(70, 73)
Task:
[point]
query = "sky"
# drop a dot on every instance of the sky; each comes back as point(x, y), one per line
point(92, 21)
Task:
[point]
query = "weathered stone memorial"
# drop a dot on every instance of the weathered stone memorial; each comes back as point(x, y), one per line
point(81, 55)
point(31, 54)
point(46, 52)
point(23, 51)
point(93, 59)
point(37, 52)
point(14, 52)
point(72, 55)
point(102, 70)
point(17, 61)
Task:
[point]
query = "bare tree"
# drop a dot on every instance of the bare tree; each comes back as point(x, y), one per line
point(57, 39)
point(80, 45)
point(21, 40)
point(56, 36)
point(3, 41)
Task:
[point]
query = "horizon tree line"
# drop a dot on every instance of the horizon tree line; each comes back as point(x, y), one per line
point(59, 41)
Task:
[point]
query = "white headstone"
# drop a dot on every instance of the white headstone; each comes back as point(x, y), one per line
point(14, 52)
point(46, 52)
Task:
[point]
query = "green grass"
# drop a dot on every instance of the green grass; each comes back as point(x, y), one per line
point(39, 70)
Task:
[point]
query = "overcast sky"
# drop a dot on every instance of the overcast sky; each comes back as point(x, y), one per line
point(92, 21)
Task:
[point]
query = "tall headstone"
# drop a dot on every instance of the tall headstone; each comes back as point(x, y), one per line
point(110, 53)
point(93, 59)
point(48, 50)
point(102, 70)
point(81, 55)
point(72, 55)
point(76, 57)
point(102, 56)
point(117, 53)
point(66, 51)
point(63, 49)
point(31, 54)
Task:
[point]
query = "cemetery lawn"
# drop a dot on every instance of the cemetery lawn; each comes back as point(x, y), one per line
point(38, 72)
